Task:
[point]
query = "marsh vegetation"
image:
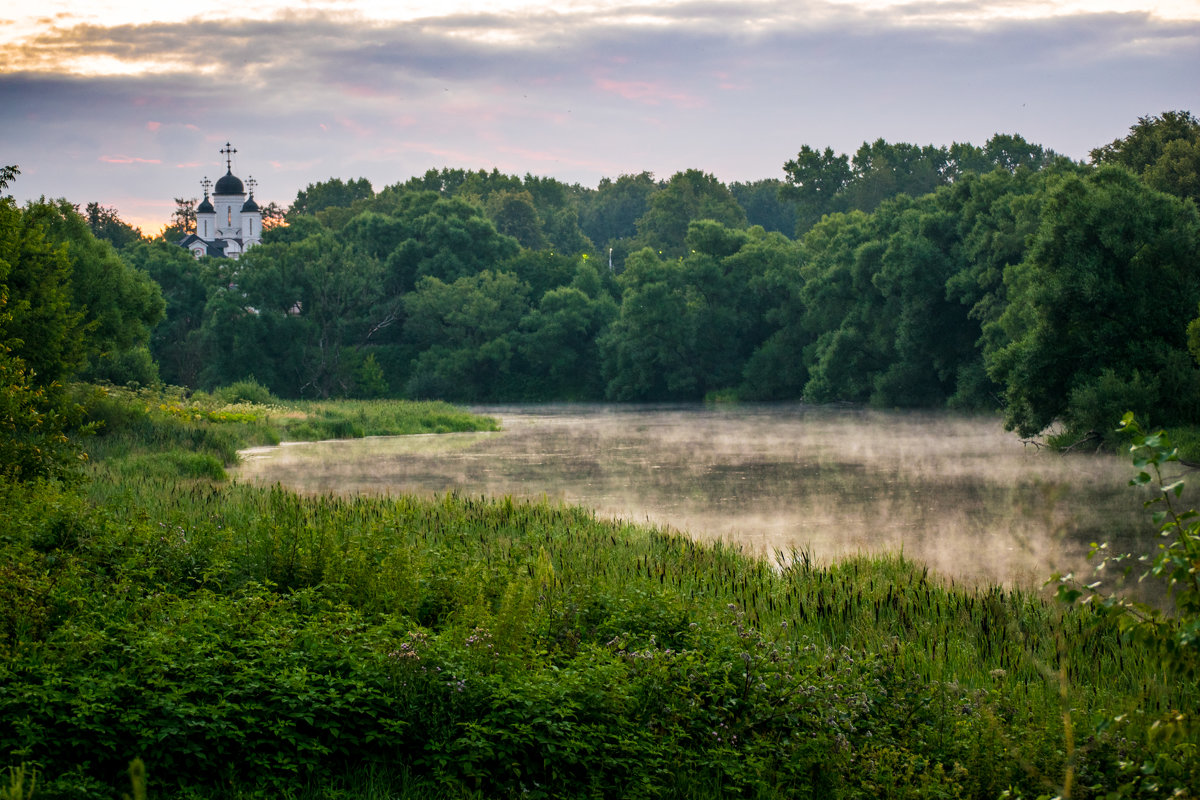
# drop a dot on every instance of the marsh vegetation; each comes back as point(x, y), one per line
point(255, 642)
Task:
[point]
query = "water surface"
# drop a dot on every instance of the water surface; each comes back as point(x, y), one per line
point(956, 492)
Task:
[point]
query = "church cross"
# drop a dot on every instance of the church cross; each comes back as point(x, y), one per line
point(252, 184)
point(228, 151)
point(207, 184)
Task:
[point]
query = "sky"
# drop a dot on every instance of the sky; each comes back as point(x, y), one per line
point(129, 103)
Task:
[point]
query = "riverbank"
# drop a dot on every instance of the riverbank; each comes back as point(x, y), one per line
point(251, 642)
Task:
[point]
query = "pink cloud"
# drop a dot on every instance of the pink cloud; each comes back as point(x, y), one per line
point(648, 93)
point(129, 160)
point(552, 157)
point(725, 81)
point(189, 165)
point(356, 128)
point(153, 126)
point(361, 90)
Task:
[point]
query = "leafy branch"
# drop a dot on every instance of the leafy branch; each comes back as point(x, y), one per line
point(1176, 564)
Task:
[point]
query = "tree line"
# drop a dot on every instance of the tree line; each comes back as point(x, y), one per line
point(1002, 276)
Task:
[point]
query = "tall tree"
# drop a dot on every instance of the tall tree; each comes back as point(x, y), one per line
point(183, 220)
point(611, 211)
point(40, 326)
point(467, 332)
point(1163, 149)
point(1097, 312)
point(764, 206)
point(106, 225)
point(186, 285)
point(119, 303)
point(687, 196)
point(815, 181)
point(333, 193)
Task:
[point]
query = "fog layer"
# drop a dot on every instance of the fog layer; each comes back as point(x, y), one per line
point(956, 492)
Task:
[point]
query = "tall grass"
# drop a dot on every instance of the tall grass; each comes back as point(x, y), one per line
point(251, 642)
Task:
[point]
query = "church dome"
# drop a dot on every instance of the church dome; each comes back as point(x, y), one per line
point(229, 184)
point(205, 207)
point(250, 205)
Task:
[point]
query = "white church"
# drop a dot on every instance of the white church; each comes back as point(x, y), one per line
point(230, 222)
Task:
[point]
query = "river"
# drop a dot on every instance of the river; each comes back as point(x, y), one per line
point(953, 491)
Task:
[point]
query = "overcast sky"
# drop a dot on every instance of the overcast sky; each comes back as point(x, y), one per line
point(128, 104)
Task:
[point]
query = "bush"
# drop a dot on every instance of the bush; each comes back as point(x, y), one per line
point(246, 391)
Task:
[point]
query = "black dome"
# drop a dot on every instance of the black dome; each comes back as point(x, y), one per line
point(205, 207)
point(250, 205)
point(229, 184)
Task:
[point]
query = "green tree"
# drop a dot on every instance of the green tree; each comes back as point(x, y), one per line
point(838, 309)
point(882, 170)
point(687, 327)
point(515, 216)
point(1163, 149)
point(41, 326)
point(815, 182)
point(687, 196)
point(999, 213)
point(107, 226)
point(542, 270)
point(1098, 309)
point(466, 332)
point(186, 285)
point(649, 353)
point(120, 304)
point(333, 193)
point(610, 212)
point(35, 413)
point(183, 220)
point(326, 293)
point(559, 342)
point(450, 239)
point(764, 205)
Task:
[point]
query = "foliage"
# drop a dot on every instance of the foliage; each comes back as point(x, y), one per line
point(250, 642)
point(108, 226)
point(764, 205)
point(1175, 636)
point(333, 193)
point(609, 213)
point(823, 183)
point(1173, 639)
point(961, 275)
point(117, 303)
point(1163, 149)
point(465, 331)
point(686, 328)
point(35, 421)
point(183, 220)
point(688, 196)
point(186, 284)
point(1100, 303)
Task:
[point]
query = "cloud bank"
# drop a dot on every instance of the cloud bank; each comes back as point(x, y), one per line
point(132, 115)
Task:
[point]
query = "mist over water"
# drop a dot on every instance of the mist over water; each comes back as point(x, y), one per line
point(955, 492)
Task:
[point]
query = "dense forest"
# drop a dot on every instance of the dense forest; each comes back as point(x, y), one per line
point(995, 277)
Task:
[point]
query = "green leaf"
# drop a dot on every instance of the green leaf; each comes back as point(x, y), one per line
point(1175, 488)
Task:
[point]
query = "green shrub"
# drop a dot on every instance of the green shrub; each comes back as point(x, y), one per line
point(245, 391)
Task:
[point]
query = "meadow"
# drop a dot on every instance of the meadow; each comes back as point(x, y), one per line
point(244, 641)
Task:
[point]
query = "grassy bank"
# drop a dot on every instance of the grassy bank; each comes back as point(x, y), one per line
point(249, 642)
